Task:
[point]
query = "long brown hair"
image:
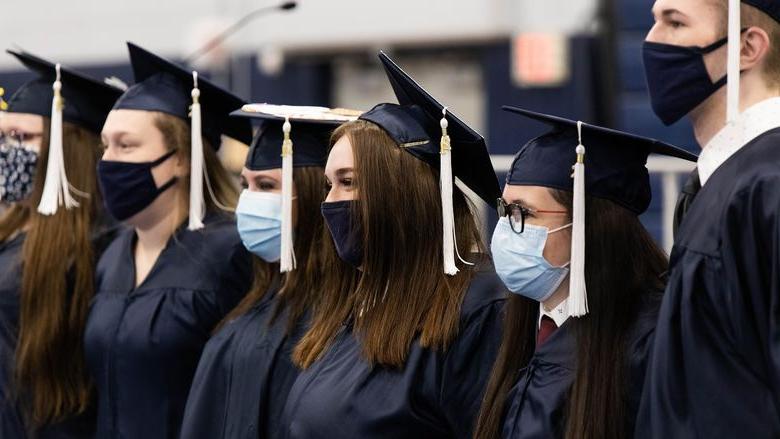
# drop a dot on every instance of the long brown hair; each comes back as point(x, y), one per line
point(57, 286)
point(402, 292)
point(176, 135)
point(300, 287)
point(13, 220)
point(624, 265)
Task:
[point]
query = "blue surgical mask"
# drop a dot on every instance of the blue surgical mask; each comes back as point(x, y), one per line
point(259, 218)
point(520, 263)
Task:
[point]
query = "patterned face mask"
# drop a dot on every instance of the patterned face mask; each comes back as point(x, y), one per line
point(17, 169)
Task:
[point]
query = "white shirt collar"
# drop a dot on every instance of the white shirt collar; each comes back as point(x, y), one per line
point(559, 314)
point(753, 122)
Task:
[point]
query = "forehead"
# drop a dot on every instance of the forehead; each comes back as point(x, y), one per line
point(21, 121)
point(534, 196)
point(128, 121)
point(340, 155)
point(692, 8)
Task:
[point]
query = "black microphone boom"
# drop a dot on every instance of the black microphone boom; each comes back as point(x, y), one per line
point(214, 42)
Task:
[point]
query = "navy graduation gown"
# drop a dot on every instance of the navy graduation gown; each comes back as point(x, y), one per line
point(243, 378)
point(435, 395)
point(142, 344)
point(715, 369)
point(11, 419)
point(10, 286)
point(537, 403)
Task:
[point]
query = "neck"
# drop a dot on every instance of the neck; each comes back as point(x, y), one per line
point(558, 296)
point(162, 222)
point(710, 117)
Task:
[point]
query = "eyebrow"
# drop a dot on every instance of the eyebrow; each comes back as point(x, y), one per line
point(343, 171)
point(523, 203)
point(667, 12)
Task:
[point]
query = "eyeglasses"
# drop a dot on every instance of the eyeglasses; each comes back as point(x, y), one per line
point(517, 214)
point(16, 138)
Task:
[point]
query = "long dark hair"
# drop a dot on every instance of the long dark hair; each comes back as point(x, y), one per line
point(57, 286)
point(300, 287)
point(403, 292)
point(623, 265)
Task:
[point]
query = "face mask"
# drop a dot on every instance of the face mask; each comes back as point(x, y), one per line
point(346, 233)
point(519, 262)
point(677, 78)
point(259, 218)
point(17, 169)
point(129, 188)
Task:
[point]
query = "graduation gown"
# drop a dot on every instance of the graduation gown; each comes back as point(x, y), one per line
point(10, 286)
point(715, 368)
point(11, 420)
point(537, 403)
point(435, 395)
point(243, 378)
point(142, 344)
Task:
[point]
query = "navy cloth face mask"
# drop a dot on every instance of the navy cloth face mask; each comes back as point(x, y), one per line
point(677, 78)
point(129, 188)
point(345, 231)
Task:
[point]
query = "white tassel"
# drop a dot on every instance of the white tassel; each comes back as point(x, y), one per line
point(447, 215)
point(56, 189)
point(287, 259)
point(578, 295)
point(733, 64)
point(197, 166)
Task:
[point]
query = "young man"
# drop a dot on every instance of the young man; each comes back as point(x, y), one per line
point(715, 368)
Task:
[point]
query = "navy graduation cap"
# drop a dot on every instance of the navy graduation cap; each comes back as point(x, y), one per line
point(63, 95)
point(87, 101)
point(607, 164)
point(291, 136)
point(161, 85)
point(615, 160)
point(415, 125)
point(769, 7)
point(310, 130)
point(422, 126)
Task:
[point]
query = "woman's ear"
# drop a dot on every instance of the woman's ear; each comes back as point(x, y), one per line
point(181, 164)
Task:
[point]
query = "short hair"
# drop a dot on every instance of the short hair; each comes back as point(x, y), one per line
point(751, 16)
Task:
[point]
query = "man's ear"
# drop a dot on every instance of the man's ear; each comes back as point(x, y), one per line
point(755, 48)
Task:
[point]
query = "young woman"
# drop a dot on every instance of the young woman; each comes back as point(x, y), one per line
point(47, 259)
point(165, 282)
point(566, 370)
point(246, 369)
point(405, 352)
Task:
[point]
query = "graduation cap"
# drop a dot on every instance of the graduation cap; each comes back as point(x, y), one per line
point(425, 128)
point(291, 136)
point(616, 171)
point(63, 95)
point(168, 88)
point(769, 7)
